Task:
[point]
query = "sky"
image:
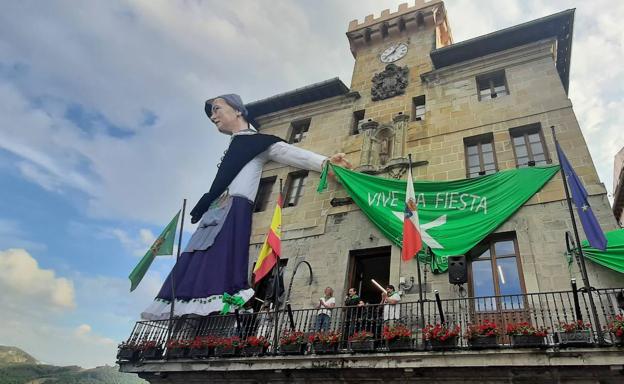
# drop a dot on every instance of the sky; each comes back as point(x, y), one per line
point(103, 134)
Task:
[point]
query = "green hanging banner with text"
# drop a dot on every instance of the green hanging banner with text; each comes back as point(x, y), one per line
point(454, 215)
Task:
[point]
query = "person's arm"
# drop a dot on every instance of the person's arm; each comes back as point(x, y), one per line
point(331, 303)
point(394, 299)
point(294, 156)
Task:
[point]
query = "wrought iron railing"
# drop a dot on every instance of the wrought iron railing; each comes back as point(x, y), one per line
point(541, 310)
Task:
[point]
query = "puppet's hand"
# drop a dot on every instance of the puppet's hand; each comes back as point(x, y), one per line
point(341, 160)
point(195, 219)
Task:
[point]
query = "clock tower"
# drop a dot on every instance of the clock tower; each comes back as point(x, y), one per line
point(391, 52)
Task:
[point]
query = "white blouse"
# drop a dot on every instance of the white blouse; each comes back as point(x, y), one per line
point(246, 182)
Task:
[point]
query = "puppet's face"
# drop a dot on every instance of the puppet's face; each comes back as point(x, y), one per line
point(224, 117)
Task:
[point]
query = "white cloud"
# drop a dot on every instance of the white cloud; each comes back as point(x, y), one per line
point(22, 280)
point(103, 311)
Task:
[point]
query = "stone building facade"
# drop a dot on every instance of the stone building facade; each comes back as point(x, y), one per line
point(461, 110)
point(480, 94)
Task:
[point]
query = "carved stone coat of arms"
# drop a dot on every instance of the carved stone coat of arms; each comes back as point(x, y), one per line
point(389, 83)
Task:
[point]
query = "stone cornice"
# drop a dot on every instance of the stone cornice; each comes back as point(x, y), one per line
point(508, 58)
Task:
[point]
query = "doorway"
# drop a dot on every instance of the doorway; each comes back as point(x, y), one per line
point(367, 264)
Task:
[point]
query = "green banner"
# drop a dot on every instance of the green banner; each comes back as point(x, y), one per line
point(454, 215)
point(162, 246)
point(613, 256)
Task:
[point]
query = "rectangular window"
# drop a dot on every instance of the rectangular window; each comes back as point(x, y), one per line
point(264, 193)
point(358, 116)
point(299, 130)
point(418, 108)
point(492, 85)
point(480, 155)
point(296, 182)
point(495, 271)
point(529, 147)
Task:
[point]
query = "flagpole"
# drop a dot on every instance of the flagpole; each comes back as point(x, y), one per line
point(420, 288)
point(276, 287)
point(584, 275)
point(172, 309)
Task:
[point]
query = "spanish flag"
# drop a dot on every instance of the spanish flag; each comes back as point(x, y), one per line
point(271, 249)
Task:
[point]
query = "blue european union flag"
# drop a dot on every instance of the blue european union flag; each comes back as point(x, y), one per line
point(594, 234)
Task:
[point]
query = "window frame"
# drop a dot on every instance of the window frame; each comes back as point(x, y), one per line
point(489, 77)
point(265, 181)
point(524, 131)
point(479, 140)
point(300, 189)
point(299, 127)
point(492, 240)
point(355, 125)
point(415, 104)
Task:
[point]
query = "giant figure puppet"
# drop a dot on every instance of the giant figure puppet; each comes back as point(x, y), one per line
point(216, 258)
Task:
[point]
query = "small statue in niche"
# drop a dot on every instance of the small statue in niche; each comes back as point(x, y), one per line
point(384, 150)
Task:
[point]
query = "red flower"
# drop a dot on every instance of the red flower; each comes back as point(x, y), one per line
point(573, 326)
point(396, 332)
point(524, 328)
point(361, 336)
point(292, 337)
point(328, 338)
point(253, 341)
point(440, 332)
point(488, 328)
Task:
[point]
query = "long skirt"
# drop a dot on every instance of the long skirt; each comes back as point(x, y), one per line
point(201, 277)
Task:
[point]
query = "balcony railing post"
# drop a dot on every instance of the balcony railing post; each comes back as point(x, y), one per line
point(577, 306)
point(290, 317)
point(439, 303)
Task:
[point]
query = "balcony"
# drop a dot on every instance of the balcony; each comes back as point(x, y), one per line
point(157, 349)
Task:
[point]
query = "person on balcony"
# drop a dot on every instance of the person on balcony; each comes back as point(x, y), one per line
point(353, 313)
point(215, 262)
point(325, 305)
point(391, 309)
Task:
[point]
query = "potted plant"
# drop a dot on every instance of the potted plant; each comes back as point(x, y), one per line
point(325, 342)
point(397, 337)
point(227, 346)
point(362, 341)
point(440, 337)
point(177, 349)
point(482, 335)
point(292, 342)
point(616, 327)
point(574, 334)
point(151, 350)
point(202, 347)
point(128, 351)
point(255, 345)
point(524, 334)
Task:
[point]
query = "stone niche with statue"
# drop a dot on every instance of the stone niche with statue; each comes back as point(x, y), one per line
point(383, 147)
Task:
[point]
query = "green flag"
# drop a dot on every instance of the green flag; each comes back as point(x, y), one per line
point(162, 246)
point(454, 215)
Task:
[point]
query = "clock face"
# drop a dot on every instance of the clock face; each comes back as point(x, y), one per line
point(393, 53)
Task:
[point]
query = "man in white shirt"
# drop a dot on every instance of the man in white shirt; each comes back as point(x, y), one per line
point(391, 299)
point(325, 305)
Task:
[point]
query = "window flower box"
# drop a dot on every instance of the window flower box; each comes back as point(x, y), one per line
point(362, 342)
point(440, 337)
point(255, 346)
point(292, 343)
point(127, 353)
point(153, 353)
point(483, 342)
point(362, 346)
point(325, 342)
point(525, 335)
point(398, 337)
point(483, 335)
point(324, 349)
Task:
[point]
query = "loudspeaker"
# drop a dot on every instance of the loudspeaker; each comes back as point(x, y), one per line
point(457, 269)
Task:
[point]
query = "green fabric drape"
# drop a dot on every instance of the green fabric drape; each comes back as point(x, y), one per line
point(613, 256)
point(454, 215)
